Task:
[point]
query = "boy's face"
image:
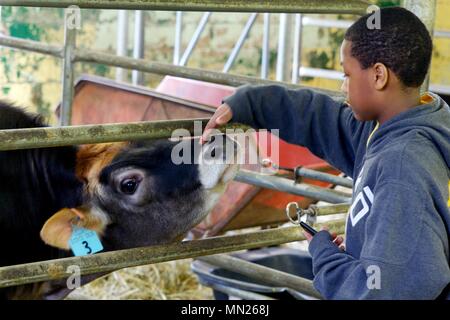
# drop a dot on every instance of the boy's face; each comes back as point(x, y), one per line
point(357, 85)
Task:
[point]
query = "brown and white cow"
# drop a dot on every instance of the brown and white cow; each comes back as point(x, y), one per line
point(131, 194)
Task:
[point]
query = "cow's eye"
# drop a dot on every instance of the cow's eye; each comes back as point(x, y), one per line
point(129, 186)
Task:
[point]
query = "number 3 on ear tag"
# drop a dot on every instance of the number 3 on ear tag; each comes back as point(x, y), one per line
point(84, 242)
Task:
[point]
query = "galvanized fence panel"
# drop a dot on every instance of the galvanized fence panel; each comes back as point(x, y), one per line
point(46, 137)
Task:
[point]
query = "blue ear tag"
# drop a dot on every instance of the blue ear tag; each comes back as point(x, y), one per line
point(84, 241)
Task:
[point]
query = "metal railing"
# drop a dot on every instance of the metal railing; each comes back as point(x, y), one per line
point(40, 137)
point(15, 139)
point(114, 260)
point(284, 37)
point(279, 6)
point(287, 185)
point(70, 54)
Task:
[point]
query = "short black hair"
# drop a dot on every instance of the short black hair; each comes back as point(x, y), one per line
point(403, 44)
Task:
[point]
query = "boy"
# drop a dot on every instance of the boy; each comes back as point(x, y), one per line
point(395, 144)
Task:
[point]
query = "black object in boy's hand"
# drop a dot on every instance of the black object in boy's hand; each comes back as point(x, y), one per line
point(308, 228)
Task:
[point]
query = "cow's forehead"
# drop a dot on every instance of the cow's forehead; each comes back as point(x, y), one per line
point(91, 159)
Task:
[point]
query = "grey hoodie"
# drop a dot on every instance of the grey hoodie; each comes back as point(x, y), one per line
point(397, 229)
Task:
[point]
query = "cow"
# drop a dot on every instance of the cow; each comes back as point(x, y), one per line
point(130, 193)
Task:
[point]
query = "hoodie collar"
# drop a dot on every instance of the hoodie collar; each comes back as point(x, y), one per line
point(429, 103)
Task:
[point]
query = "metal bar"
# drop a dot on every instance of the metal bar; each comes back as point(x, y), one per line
point(314, 210)
point(184, 72)
point(262, 273)
point(327, 23)
point(114, 260)
point(287, 185)
point(65, 117)
point(240, 42)
point(195, 38)
point(426, 11)
point(296, 59)
point(247, 295)
point(322, 176)
point(334, 226)
point(442, 34)
point(282, 52)
point(440, 89)
point(265, 47)
point(321, 73)
point(178, 37)
point(122, 41)
point(278, 6)
point(33, 46)
point(139, 46)
point(62, 136)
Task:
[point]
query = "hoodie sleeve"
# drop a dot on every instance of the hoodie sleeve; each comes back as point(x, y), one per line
point(313, 120)
point(403, 256)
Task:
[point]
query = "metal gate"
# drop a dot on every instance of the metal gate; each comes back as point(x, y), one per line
point(68, 135)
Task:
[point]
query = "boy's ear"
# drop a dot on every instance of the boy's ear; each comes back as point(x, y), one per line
point(57, 230)
point(381, 75)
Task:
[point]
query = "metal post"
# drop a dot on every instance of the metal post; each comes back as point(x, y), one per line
point(426, 11)
point(122, 41)
point(297, 56)
point(178, 37)
point(240, 42)
point(65, 117)
point(139, 46)
point(287, 185)
point(283, 47)
point(195, 37)
point(265, 47)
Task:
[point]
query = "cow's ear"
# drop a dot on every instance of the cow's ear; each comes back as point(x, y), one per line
point(57, 230)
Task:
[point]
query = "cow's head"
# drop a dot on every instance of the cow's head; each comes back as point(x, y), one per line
point(137, 195)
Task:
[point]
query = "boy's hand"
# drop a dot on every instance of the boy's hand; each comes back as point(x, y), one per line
point(222, 115)
point(336, 240)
